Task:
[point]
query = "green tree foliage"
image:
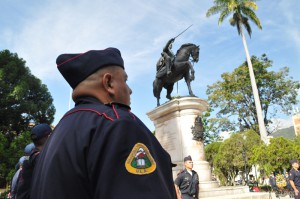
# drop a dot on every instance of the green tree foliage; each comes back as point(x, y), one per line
point(230, 160)
point(275, 156)
point(211, 127)
point(11, 156)
point(3, 156)
point(211, 150)
point(242, 11)
point(227, 162)
point(296, 148)
point(297, 140)
point(234, 99)
point(250, 141)
point(227, 158)
point(23, 98)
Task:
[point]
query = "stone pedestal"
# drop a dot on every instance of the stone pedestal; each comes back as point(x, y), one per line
point(173, 122)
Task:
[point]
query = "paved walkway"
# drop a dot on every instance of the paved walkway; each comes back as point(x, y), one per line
point(273, 196)
point(250, 195)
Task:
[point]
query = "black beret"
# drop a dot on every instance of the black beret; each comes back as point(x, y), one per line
point(188, 158)
point(40, 131)
point(293, 161)
point(77, 67)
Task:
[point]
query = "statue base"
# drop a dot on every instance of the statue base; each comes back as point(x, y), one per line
point(173, 123)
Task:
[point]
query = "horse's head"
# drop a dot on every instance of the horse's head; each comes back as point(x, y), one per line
point(195, 53)
point(187, 50)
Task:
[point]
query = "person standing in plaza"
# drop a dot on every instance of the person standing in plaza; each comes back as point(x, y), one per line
point(187, 181)
point(295, 178)
point(13, 187)
point(287, 179)
point(272, 182)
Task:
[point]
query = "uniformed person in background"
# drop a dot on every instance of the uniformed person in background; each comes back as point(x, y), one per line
point(295, 178)
point(13, 187)
point(272, 182)
point(187, 181)
point(39, 135)
point(100, 149)
point(287, 179)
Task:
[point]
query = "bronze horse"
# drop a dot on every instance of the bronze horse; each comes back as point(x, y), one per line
point(181, 68)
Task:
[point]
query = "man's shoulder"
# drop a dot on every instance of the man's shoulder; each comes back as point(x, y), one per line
point(292, 174)
point(179, 177)
point(292, 170)
point(181, 173)
point(34, 156)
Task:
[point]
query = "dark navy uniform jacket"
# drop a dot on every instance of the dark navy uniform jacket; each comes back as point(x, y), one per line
point(87, 153)
point(295, 176)
point(188, 184)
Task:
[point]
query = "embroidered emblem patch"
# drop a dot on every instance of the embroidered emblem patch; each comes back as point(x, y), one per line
point(140, 161)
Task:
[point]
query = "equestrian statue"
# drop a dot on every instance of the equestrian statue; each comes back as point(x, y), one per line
point(171, 68)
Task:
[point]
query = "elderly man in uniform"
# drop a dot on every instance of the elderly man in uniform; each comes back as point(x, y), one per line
point(295, 178)
point(100, 149)
point(187, 181)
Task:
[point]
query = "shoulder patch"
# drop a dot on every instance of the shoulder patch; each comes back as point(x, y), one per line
point(140, 161)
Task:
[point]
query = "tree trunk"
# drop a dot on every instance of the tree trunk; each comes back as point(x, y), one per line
point(261, 124)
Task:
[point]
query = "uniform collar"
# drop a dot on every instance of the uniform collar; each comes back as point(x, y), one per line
point(92, 100)
point(118, 105)
point(86, 100)
point(186, 171)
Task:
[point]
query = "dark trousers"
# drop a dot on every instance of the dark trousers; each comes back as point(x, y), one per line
point(296, 197)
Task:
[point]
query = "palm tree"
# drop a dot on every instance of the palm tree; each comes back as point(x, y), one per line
point(242, 11)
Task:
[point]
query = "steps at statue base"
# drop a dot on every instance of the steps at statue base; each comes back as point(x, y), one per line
point(250, 195)
point(237, 192)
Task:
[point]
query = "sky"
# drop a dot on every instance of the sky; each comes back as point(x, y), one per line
point(39, 31)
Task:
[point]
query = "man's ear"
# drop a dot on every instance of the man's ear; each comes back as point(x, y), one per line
point(107, 82)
